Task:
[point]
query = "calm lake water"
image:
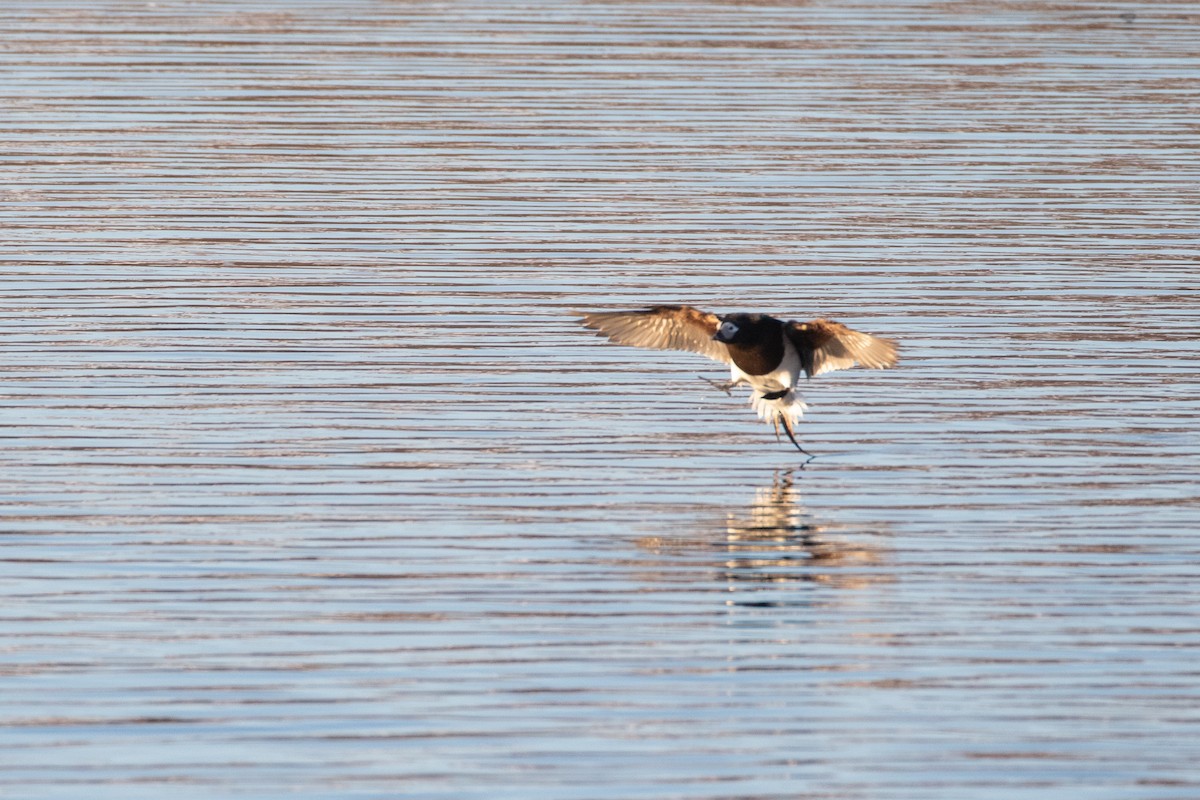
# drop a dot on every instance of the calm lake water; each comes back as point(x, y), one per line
point(312, 486)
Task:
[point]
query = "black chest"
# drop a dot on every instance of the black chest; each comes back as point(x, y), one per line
point(761, 354)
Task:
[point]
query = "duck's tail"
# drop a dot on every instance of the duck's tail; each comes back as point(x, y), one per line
point(773, 405)
point(780, 408)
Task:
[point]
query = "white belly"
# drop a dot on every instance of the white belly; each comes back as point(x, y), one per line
point(783, 377)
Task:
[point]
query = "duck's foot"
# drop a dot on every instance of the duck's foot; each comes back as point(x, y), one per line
point(724, 386)
point(791, 434)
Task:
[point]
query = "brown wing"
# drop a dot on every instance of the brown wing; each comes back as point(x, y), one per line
point(825, 345)
point(662, 328)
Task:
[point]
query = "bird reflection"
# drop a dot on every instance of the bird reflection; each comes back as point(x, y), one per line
point(777, 542)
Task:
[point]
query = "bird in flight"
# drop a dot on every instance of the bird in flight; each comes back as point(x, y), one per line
point(766, 353)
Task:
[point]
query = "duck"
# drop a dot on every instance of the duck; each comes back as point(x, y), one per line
point(763, 352)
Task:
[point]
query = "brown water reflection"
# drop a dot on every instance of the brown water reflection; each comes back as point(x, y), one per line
point(777, 542)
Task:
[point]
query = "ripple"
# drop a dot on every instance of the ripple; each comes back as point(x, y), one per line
point(313, 485)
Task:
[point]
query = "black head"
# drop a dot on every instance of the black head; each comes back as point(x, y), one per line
point(744, 329)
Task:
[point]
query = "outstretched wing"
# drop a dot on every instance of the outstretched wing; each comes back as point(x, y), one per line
point(825, 345)
point(662, 328)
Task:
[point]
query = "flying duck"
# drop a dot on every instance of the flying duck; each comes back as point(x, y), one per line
point(766, 353)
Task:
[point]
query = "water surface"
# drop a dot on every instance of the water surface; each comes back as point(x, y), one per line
point(312, 486)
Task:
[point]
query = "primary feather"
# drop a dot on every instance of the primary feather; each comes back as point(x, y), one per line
point(825, 345)
point(662, 328)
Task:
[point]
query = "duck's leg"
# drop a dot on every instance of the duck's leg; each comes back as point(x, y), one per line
point(724, 386)
point(787, 427)
point(775, 419)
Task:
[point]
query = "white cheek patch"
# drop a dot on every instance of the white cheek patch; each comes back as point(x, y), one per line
point(728, 330)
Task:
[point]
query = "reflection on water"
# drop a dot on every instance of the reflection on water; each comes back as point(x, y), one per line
point(775, 541)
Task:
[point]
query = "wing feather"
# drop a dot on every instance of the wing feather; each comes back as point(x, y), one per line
point(662, 328)
point(825, 345)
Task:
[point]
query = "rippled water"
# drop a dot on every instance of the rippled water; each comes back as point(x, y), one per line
point(312, 486)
